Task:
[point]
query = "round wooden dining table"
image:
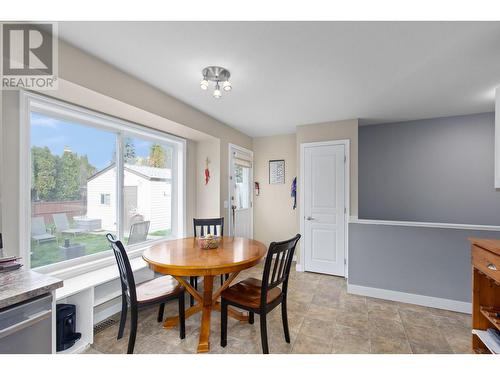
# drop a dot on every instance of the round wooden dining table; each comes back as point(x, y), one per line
point(182, 257)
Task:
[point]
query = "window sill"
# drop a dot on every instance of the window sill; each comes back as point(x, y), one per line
point(80, 269)
point(97, 264)
point(91, 279)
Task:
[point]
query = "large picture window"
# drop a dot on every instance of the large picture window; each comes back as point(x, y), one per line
point(93, 174)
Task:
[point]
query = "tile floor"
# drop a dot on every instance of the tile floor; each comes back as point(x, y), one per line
point(323, 318)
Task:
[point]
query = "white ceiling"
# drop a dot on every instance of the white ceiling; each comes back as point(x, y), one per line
point(286, 74)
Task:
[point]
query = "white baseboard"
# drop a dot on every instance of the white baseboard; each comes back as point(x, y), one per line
point(299, 267)
point(416, 299)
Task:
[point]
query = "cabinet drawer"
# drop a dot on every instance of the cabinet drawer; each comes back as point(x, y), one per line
point(487, 262)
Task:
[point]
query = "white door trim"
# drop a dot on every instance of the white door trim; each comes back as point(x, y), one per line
point(300, 266)
point(232, 146)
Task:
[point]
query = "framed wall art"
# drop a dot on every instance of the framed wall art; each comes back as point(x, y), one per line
point(276, 172)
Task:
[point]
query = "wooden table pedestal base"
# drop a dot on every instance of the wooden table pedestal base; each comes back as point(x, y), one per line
point(206, 302)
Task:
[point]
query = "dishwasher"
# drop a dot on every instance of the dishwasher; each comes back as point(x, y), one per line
point(26, 328)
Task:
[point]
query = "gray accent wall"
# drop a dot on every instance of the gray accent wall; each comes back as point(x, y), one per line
point(426, 261)
point(436, 170)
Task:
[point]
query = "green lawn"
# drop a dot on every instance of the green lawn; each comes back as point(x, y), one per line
point(49, 252)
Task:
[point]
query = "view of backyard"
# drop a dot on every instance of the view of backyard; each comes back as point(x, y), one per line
point(52, 251)
point(74, 200)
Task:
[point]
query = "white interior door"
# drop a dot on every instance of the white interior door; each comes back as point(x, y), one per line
point(241, 176)
point(324, 208)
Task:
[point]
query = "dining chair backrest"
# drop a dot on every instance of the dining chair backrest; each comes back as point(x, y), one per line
point(208, 226)
point(124, 268)
point(61, 221)
point(277, 266)
point(38, 226)
point(138, 232)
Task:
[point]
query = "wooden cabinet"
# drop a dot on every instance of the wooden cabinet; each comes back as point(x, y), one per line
point(485, 293)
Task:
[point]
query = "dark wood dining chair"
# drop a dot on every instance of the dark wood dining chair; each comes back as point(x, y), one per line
point(154, 292)
point(262, 296)
point(206, 226)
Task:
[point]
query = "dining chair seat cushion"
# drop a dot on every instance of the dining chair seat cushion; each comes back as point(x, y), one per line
point(247, 293)
point(157, 289)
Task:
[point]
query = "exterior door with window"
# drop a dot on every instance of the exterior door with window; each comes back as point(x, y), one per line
point(241, 175)
point(324, 207)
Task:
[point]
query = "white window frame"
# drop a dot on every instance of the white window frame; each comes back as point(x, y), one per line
point(123, 129)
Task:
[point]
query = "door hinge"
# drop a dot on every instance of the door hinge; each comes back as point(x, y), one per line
point(345, 262)
point(345, 158)
point(345, 210)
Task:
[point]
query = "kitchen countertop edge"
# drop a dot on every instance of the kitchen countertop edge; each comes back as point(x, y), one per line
point(22, 285)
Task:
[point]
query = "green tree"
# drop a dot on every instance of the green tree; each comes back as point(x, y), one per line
point(129, 155)
point(157, 156)
point(59, 177)
point(43, 173)
point(68, 177)
point(86, 170)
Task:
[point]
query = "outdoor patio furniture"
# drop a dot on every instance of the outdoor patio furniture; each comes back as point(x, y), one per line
point(88, 224)
point(71, 250)
point(39, 231)
point(138, 232)
point(62, 225)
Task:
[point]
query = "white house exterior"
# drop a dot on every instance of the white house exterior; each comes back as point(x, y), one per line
point(147, 194)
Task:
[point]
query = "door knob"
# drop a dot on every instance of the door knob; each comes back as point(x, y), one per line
point(309, 218)
point(492, 267)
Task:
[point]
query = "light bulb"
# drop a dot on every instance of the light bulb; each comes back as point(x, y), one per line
point(227, 86)
point(204, 84)
point(217, 92)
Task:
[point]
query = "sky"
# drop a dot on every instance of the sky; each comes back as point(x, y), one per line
point(97, 144)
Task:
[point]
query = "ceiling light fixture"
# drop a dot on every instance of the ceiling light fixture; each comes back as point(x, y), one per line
point(218, 75)
point(217, 92)
point(204, 84)
point(227, 86)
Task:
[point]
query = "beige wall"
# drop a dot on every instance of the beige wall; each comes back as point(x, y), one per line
point(90, 82)
point(86, 80)
point(207, 195)
point(329, 131)
point(85, 70)
point(274, 218)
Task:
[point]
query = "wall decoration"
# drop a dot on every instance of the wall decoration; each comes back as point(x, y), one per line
point(207, 171)
point(293, 192)
point(257, 188)
point(276, 172)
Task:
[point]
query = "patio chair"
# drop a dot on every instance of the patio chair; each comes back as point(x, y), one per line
point(138, 232)
point(62, 225)
point(39, 231)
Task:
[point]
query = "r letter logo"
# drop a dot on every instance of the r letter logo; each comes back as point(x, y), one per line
point(29, 56)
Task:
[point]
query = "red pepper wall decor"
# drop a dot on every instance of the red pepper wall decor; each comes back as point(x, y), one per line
point(207, 171)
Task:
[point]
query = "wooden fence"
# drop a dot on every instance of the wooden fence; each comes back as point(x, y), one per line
point(70, 208)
